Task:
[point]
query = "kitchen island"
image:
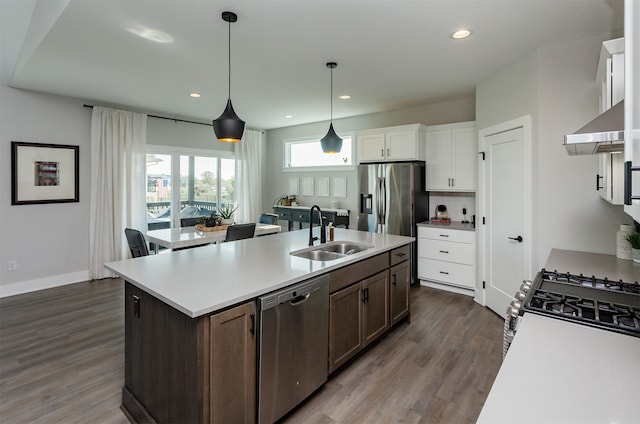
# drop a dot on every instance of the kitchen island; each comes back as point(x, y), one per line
point(558, 371)
point(190, 318)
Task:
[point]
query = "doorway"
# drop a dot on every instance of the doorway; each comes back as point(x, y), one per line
point(505, 207)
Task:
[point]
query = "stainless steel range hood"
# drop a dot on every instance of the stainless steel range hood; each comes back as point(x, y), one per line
point(604, 134)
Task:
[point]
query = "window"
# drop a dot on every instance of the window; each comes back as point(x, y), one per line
point(201, 184)
point(308, 154)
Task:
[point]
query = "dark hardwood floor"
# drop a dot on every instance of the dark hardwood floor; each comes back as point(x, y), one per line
point(61, 361)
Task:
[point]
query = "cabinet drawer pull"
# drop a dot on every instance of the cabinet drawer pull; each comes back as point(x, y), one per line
point(444, 272)
point(400, 255)
point(395, 279)
point(444, 251)
point(382, 153)
point(252, 330)
point(444, 235)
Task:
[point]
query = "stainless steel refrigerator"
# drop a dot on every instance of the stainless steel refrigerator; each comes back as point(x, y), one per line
point(392, 200)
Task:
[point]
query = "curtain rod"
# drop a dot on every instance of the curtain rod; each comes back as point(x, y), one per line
point(176, 119)
point(168, 119)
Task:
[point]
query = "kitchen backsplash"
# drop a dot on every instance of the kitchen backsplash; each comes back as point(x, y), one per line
point(454, 203)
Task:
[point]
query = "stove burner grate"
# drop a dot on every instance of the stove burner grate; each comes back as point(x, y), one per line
point(593, 282)
point(590, 311)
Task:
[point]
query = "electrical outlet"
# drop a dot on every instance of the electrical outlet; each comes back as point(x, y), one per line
point(12, 265)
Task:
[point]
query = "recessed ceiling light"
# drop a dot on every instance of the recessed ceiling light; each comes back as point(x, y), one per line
point(151, 34)
point(345, 97)
point(195, 95)
point(288, 116)
point(460, 34)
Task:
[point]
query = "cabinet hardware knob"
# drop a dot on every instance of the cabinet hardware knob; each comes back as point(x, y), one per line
point(518, 239)
point(252, 330)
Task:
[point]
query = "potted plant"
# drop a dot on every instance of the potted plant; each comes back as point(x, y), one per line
point(634, 241)
point(211, 220)
point(226, 213)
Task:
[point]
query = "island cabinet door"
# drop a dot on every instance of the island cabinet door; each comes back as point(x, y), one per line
point(345, 325)
point(399, 281)
point(161, 361)
point(375, 314)
point(232, 365)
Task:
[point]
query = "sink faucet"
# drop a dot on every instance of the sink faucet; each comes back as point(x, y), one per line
point(323, 230)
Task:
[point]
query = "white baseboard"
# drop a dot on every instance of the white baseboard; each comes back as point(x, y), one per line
point(12, 289)
point(447, 287)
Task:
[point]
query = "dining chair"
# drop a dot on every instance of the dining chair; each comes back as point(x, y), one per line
point(137, 243)
point(268, 218)
point(240, 231)
point(189, 222)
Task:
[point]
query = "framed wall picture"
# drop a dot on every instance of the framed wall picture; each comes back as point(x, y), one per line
point(44, 173)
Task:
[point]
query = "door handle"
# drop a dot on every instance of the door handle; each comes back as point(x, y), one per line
point(518, 239)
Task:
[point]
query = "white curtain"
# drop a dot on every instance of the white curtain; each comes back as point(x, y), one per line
point(118, 168)
point(249, 162)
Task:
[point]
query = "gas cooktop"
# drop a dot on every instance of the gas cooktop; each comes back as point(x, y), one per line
point(598, 302)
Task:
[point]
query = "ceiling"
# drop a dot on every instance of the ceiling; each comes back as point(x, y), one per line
point(390, 53)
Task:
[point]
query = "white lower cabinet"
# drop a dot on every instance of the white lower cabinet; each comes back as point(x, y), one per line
point(446, 259)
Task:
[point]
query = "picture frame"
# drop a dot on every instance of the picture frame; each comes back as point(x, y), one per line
point(44, 173)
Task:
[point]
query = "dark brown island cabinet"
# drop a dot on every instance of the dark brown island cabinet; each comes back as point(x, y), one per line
point(180, 369)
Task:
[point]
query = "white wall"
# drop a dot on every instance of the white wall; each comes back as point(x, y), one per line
point(50, 242)
point(556, 86)
point(457, 110)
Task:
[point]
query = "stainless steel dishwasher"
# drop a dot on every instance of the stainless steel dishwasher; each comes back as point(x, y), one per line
point(294, 344)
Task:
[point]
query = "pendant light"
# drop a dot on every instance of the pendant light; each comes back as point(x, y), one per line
point(331, 143)
point(229, 127)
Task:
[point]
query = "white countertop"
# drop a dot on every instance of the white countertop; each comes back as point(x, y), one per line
point(209, 278)
point(593, 264)
point(561, 372)
point(453, 225)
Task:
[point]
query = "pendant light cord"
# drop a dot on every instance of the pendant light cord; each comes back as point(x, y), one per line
point(331, 96)
point(229, 60)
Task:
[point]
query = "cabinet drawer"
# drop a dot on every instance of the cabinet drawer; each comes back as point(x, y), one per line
point(462, 253)
point(459, 236)
point(400, 254)
point(284, 214)
point(350, 274)
point(446, 272)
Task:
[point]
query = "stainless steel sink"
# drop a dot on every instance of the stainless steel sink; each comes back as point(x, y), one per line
point(331, 251)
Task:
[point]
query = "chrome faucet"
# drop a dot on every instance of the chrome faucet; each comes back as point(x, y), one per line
point(323, 229)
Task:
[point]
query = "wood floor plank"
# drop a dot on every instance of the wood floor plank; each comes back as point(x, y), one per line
point(62, 361)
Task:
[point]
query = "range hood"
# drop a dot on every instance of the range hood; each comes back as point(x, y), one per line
point(605, 134)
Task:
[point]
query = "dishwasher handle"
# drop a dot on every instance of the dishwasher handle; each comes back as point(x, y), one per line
point(299, 299)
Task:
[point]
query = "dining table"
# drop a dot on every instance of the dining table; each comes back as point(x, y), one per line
point(181, 237)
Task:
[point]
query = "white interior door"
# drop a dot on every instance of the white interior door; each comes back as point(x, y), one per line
point(507, 217)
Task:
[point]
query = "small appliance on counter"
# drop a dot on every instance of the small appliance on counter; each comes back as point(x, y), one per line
point(442, 216)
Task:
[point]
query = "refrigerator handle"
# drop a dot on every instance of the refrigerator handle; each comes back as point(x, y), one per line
point(383, 197)
point(377, 202)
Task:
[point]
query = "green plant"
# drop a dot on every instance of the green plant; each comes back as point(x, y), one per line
point(211, 220)
point(634, 240)
point(226, 210)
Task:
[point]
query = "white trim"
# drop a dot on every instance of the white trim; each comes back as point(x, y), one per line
point(13, 289)
point(188, 151)
point(524, 122)
point(330, 168)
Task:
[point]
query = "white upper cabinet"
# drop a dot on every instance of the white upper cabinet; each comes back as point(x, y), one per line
point(610, 74)
point(404, 142)
point(452, 157)
point(632, 107)
point(610, 178)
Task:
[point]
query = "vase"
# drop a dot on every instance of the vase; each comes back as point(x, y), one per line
point(227, 221)
point(635, 255)
point(623, 247)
